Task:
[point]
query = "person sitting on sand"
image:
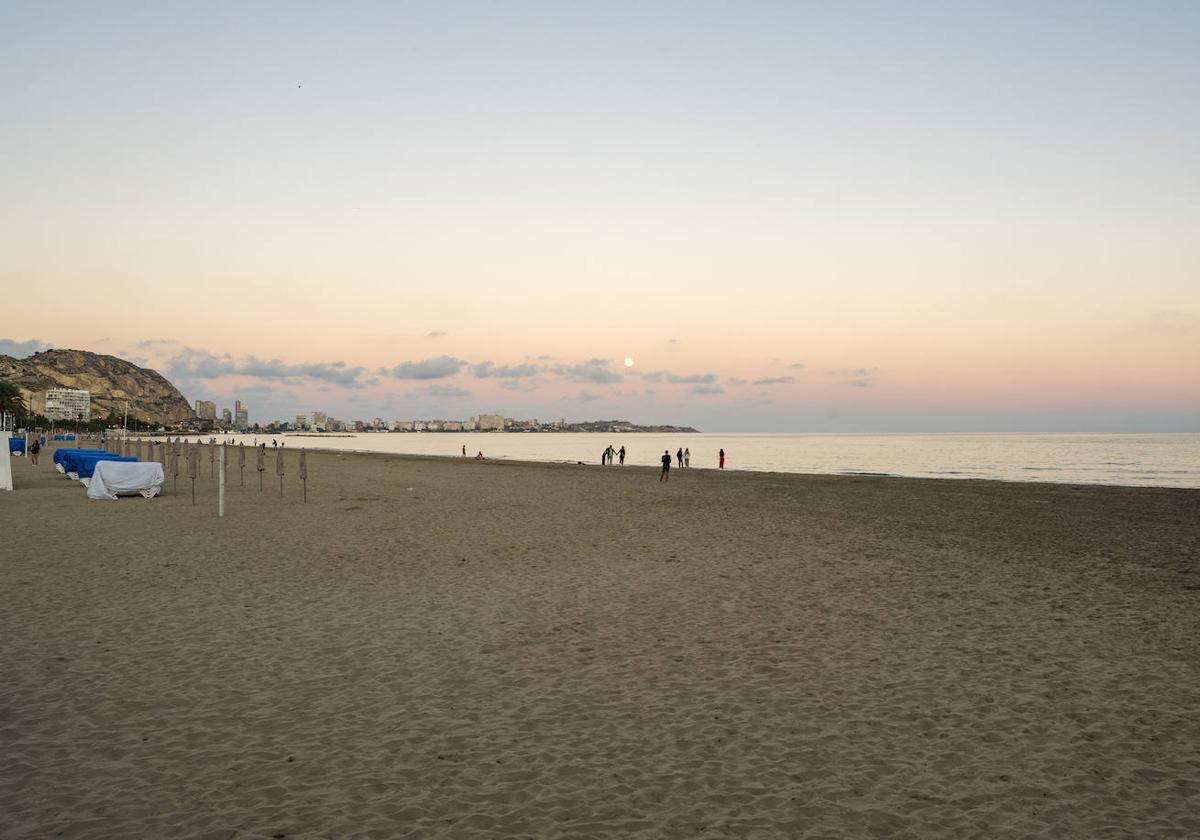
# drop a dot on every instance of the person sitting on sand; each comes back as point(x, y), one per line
point(665, 475)
point(479, 457)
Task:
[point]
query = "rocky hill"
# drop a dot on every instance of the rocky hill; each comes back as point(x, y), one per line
point(111, 381)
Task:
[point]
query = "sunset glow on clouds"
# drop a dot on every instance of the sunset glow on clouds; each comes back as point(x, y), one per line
point(790, 220)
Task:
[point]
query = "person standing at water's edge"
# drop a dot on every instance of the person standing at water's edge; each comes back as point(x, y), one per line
point(687, 457)
point(665, 475)
point(621, 455)
point(721, 461)
point(679, 455)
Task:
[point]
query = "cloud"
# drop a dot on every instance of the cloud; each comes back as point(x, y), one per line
point(859, 377)
point(587, 396)
point(593, 371)
point(774, 380)
point(733, 380)
point(798, 365)
point(152, 343)
point(689, 379)
point(707, 389)
point(487, 370)
point(21, 349)
point(437, 334)
point(672, 341)
point(194, 363)
point(437, 368)
point(336, 373)
point(446, 391)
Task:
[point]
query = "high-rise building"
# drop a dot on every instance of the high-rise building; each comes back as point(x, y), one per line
point(301, 421)
point(317, 420)
point(241, 415)
point(226, 417)
point(490, 421)
point(68, 404)
point(206, 409)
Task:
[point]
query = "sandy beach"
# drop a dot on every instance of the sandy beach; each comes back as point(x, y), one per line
point(444, 648)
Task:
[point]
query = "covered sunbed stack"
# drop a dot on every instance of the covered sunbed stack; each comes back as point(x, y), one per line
point(61, 454)
point(82, 465)
point(125, 475)
point(16, 445)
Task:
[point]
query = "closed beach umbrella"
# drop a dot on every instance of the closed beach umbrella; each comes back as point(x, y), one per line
point(242, 461)
point(194, 468)
point(260, 459)
point(279, 468)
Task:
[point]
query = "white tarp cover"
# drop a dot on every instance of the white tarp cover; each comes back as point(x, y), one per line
point(113, 477)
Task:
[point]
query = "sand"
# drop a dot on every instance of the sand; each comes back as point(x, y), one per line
point(441, 648)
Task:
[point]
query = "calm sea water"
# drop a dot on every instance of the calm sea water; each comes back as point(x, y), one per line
point(1159, 460)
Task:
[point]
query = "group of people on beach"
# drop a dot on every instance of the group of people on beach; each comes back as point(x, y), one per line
point(606, 457)
point(684, 457)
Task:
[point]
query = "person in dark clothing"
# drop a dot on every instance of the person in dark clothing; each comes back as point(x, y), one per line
point(721, 463)
point(665, 475)
point(34, 450)
point(621, 455)
point(679, 455)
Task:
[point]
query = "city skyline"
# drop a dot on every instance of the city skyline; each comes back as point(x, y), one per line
point(961, 217)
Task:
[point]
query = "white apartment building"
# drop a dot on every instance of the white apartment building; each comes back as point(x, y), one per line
point(68, 404)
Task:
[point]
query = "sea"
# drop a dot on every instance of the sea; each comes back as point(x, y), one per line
point(1140, 460)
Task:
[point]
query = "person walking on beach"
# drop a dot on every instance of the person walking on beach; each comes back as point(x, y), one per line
point(464, 450)
point(34, 450)
point(721, 461)
point(665, 475)
point(621, 455)
point(679, 455)
point(687, 457)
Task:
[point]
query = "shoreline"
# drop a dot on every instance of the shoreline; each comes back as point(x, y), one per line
point(849, 474)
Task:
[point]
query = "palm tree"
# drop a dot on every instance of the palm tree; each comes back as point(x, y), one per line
point(12, 401)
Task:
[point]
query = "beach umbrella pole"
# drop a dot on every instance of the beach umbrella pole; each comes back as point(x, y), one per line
point(221, 483)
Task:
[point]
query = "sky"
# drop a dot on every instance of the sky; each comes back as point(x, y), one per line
point(789, 217)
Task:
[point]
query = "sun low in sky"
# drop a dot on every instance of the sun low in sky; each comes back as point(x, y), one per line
point(936, 216)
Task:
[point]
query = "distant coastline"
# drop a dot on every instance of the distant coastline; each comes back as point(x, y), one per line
point(610, 426)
